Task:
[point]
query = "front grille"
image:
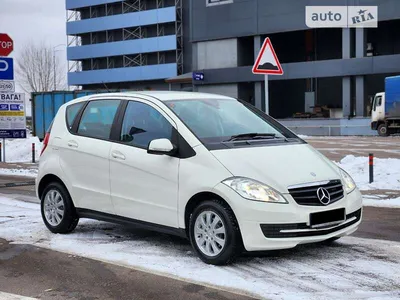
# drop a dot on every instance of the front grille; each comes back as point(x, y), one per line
point(307, 195)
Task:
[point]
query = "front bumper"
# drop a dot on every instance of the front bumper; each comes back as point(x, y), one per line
point(268, 226)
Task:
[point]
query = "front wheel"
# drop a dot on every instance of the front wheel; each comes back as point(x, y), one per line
point(214, 233)
point(382, 130)
point(58, 211)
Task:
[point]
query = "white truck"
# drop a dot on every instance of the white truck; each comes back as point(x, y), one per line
point(385, 115)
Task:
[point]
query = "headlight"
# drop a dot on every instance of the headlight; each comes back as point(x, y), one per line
point(254, 190)
point(349, 184)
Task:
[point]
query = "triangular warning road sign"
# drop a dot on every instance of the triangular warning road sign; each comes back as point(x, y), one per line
point(267, 62)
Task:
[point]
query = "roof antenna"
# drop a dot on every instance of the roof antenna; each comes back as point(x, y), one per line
point(106, 87)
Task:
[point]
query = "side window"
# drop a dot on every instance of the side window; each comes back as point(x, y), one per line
point(377, 102)
point(72, 111)
point(142, 124)
point(97, 119)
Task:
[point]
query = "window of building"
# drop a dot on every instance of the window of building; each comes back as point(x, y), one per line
point(97, 119)
point(142, 124)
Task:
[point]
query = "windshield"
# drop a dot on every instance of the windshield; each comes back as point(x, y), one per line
point(224, 120)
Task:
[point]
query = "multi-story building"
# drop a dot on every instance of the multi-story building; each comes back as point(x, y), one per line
point(341, 68)
point(125, 44)
point(141, 43)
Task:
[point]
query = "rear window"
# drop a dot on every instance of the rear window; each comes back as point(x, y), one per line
point(97, 119)
point(72, 112)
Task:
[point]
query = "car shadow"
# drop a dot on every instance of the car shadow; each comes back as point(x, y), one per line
point(106, 232)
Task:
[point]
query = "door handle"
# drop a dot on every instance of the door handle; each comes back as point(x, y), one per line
point(72, 144)
point(118, 155)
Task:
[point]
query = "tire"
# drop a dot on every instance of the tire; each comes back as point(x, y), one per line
point(233, 244)
point(382, 130)
point(64, 223)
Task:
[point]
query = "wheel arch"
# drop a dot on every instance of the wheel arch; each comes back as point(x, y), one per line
point(198, 198)
point(380, 122)
point(46, 180)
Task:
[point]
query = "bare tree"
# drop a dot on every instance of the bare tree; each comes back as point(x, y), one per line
point(39, 69)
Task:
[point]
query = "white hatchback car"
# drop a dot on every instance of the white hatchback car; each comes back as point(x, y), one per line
point(207, 167)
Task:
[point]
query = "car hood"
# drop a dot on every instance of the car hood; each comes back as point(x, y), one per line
point(279, 166)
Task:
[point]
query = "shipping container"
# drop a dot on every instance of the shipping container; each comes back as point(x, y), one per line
point(46, 104)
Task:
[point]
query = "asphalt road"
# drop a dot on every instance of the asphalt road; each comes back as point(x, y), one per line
point(335, 148)
point(39, 273)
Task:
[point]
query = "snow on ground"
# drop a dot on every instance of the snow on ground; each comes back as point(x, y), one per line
point(7, 296)
point(353, 268)
point(386, 172)
point(20, 150)
point(378, 202)
point(19, 172)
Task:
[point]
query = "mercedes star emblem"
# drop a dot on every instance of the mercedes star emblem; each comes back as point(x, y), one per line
point(323, 196)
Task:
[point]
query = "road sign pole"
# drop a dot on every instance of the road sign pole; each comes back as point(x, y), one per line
point(266, 95)
point(4, 149)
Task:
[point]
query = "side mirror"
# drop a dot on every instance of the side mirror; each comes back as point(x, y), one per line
point(160, 147)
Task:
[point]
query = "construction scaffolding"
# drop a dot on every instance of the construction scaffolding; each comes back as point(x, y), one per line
point(179, 35)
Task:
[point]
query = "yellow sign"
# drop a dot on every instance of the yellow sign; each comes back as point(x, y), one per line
point(12, 113)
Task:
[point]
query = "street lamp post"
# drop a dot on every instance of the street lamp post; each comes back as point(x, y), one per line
point(54, 65)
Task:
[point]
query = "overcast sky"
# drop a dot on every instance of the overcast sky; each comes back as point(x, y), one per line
point(34, 20)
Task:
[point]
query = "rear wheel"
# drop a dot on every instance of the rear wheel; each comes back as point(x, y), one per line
point(214, 233)
point(382, 130)
point(58, 211)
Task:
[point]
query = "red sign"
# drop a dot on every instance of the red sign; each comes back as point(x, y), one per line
point(6, 45)
point(267, 62)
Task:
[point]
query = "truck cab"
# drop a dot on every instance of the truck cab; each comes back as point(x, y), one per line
point(385, 114)
point(378, 114)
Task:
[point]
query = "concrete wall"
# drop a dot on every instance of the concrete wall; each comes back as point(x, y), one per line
point(333, 127)
point(230, 90)
point(217, 54)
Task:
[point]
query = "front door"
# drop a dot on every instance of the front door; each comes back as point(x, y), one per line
point(144, 186)
point(378, 112)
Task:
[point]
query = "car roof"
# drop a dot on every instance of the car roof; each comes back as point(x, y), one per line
point(155, 95)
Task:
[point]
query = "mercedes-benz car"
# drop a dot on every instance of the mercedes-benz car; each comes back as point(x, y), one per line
point(207, 167)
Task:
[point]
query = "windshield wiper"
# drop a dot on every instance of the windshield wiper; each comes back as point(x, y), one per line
point(251, 136)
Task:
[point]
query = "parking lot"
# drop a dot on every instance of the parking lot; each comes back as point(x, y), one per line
point(315, 271)
point(335, 148)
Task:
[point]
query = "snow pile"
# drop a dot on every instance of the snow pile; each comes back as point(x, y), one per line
point(353, 268)
point(20, 150)
point(386, 172)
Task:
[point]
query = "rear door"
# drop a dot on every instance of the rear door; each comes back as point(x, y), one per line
point(85, 154)
point(144, 186)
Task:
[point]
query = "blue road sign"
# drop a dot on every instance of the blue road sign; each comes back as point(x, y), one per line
point(197, 76)
point(13, 134)
point(6, 68)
